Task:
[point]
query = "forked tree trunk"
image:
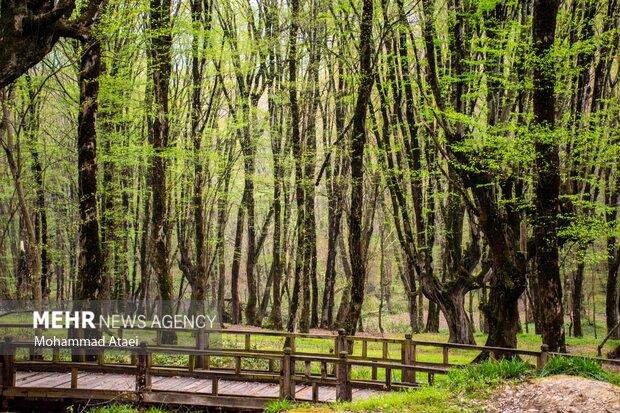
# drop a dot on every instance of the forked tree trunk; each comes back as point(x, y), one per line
point(459, 323)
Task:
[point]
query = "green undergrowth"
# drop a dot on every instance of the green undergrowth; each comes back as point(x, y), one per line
point(579, 366)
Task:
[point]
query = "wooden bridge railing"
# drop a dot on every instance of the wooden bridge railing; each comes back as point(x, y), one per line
point(408, 350)
point(283, 368)
point(286, 367)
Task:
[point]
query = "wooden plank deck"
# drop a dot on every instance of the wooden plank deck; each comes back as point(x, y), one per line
point(175, 384)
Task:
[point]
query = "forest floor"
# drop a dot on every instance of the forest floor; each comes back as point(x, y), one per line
point(559, 393)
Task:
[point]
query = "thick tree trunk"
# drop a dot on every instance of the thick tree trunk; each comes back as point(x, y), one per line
point(547, 267)
point(161, 43)
point(432, 318)
point(90, 260)
point(459, 323)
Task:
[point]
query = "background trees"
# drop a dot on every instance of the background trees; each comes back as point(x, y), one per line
point(323, 163)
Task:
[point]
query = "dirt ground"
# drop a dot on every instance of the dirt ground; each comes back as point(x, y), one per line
point(566, 394)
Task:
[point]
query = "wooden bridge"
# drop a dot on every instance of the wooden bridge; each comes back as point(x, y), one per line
point(240, 379)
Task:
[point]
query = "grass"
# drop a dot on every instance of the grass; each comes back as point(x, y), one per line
point(579, 366)
point(477, 378)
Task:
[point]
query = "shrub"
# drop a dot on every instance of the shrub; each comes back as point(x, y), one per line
point(578, 366)
point(480, 376)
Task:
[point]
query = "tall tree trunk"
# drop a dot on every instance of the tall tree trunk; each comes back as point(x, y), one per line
point(249, 168)
point(278, 178)
point(577, 293)
point(90, 260)
point(297, 155)
point(334, 191)
point(548, 178)
point(41, 233)
point(160, 59)
point(310, 260)
point(358, 142)
point(236, 263)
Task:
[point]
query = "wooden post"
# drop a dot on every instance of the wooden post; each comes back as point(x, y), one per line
point(74, 377)
point(315, 391)
point(543, 356)
point(341, 342)
point(237, 365)
point(7, 378)
point(385, 352)
point(101, 356)
point(406, 358)
point(214, 386)
point(207, 359)
point(388, 378)
point(191, 363)
point(200, 345)
point(287, 372)
point(343, 388)
point(55, 355)
point(445, 350)
point(143, 378)
point(247, 341)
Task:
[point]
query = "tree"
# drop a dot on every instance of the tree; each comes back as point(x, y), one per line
point(160, 49)
point(358, 142)
point(548, 178)
point(30, 29)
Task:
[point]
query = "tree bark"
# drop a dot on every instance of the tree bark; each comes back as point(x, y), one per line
point(160, 59)
point(90, 260)
point(358, 143)
point(548, 178)
point(577, 296)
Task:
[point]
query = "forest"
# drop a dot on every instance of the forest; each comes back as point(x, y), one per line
point(374, 165)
